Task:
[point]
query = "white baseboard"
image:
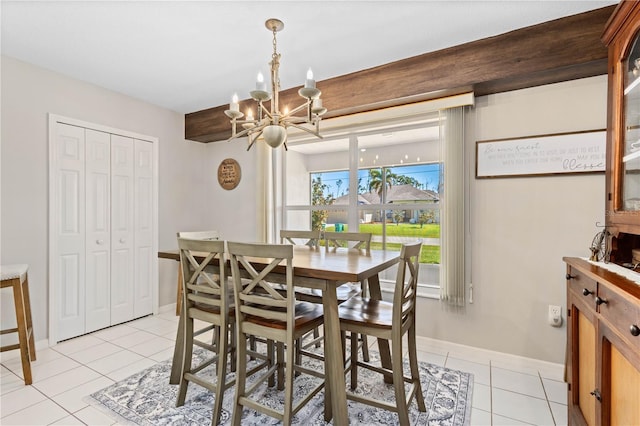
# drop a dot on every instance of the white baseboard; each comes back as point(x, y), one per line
point(171, 307)
point(546, 369)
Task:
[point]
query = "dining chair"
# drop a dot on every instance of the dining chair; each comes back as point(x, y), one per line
point(307, 238)
point(357, 240)
point(195, 235)
point(360, 241)
point(206, 297)
point(390, 321)
point(267, 309)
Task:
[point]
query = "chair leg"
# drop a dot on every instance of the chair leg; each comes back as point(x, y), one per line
point(241, 377)
point(398, 382)
point(187, 354)
point(234, 344)
point(415, 373)
point(270, 360)
point(27, 313)
point(316, 334)
point(223, 347)
point(282, 363)
point(23, 331)
point(365, 348)
point(354, 360)
point(288, 393)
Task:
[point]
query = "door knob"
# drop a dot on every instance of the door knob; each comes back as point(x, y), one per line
point(122, 240)
point(634, 330)
point(100, 242)
point(586, 292)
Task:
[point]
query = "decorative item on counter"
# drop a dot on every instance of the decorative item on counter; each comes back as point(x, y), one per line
point(600, 246)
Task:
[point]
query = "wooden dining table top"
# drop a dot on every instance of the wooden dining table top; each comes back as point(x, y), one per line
point(334, 264)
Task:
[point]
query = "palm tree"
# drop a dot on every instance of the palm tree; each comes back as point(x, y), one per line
point(376, 183)
point(338, 184)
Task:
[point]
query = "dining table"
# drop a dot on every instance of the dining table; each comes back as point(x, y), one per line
point(325, 269)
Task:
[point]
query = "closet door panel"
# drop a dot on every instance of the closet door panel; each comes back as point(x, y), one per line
point(98, 230)
point(69, 209)
point(122, 231)
point(143, 298)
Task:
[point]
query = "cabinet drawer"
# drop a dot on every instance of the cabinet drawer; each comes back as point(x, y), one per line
point(621, 313)
point(582, 286)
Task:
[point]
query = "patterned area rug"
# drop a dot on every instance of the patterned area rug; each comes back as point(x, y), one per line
point(147, 399)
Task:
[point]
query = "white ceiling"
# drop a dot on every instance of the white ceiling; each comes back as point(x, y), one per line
point(192, 55)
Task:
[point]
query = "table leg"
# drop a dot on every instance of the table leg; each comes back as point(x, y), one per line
point(334, 358)
point(383, 344)
point(178, 353)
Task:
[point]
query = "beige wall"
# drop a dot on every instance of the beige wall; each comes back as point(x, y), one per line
point(29, 94)
point(520, 228)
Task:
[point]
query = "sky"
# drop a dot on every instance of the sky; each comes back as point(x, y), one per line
point(338, 181)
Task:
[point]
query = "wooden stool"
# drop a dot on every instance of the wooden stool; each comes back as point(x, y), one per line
point(15, 276)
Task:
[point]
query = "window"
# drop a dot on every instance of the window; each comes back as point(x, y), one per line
point(385, 181)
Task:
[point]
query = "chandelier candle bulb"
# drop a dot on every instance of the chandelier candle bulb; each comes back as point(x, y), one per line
point(317, 103)
point(233, 106)
point(310, 83)
point(260, 83)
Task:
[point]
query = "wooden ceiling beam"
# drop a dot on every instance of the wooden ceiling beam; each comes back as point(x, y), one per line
point(559, 50)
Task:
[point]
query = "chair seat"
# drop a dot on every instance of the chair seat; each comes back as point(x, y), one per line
point(371, 312)
point(308, 315)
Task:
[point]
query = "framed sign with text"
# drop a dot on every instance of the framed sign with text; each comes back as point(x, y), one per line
point(229, 173)
point(578, 152)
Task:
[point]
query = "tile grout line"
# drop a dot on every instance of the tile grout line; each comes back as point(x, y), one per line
point(491, 391)
point(547, 398)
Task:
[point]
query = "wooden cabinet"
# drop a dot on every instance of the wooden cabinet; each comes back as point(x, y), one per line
point(622, 37)
point(603, 307)
point(603, 346)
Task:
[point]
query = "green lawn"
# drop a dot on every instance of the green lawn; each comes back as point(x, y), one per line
point(428, 254)
point(431, 230)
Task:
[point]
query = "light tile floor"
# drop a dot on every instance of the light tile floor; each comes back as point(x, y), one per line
point(64, 374)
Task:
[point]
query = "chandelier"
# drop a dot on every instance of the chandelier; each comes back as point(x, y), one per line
point(271, 124)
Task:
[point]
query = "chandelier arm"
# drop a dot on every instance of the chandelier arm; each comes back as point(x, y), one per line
point(313, 132)
point(293, 111)
point(252, 141)
point(247, 132)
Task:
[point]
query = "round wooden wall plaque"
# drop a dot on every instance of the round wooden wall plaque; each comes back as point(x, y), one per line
point(229, 174)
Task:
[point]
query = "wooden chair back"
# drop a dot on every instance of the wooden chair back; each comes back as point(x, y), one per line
point(199, 235)
point(406, 287)
point(263, 306)
point(205, 286)
point(357, 240)
point(307, 238)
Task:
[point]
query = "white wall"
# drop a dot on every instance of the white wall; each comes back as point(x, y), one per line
point(29, 94)
point(520, 228)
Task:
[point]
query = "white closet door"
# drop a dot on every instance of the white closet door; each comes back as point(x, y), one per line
point(98, 234)
point(143, 297)
point(69, 261)
point(122, 231)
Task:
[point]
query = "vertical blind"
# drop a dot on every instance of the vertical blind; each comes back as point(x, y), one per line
point(452, 201)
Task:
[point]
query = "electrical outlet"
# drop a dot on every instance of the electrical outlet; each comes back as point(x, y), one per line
point(555, 316)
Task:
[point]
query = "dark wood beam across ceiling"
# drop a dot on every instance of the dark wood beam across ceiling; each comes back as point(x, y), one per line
point(563, 49)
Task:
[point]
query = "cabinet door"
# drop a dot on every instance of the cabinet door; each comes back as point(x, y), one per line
point(620, 376)
point(68, 209)
point(122, 232)
point(98, 230)
point(582, 347)
point(143, 297)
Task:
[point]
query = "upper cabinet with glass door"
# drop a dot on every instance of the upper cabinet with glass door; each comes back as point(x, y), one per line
point(622, 37)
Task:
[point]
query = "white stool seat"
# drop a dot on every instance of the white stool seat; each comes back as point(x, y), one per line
point(9, 272)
